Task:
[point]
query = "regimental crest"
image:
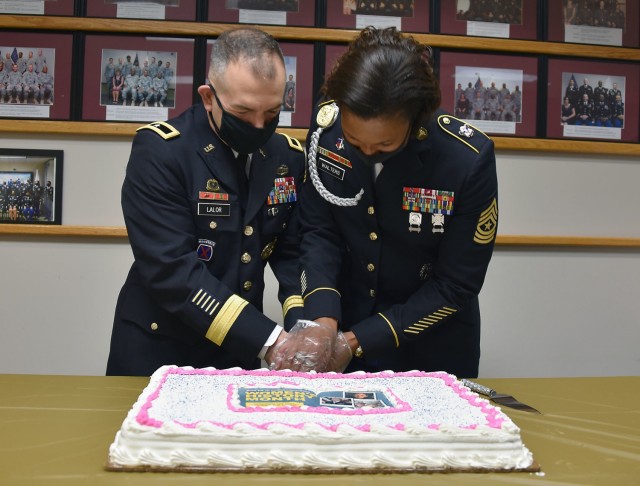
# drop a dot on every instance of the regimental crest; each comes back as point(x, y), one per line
point(487, 224)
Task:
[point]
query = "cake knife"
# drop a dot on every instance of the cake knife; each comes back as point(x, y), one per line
point(500, 398)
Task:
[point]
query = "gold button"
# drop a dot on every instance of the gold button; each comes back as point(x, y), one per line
point(371, 267)
point(284, 225)
point(247, 286)
point(248, 230)
point(372, 293)
point(373, 236)
point(446, 120)
point(154, 326)
point(245, 258)
point(371, 210)
point(213, 225)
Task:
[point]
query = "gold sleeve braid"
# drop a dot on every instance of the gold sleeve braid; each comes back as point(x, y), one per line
point(225, 319)
point(291, 302)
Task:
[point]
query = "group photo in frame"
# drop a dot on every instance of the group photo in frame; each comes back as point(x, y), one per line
point(184, 10)
point(593, 100)
point(267, 12)
point(30, 186)
point(38, 7)
point(600, 22)
point(509, 19)
point(495, 93)
point(297, 97)
point(116, 87)
point(35, 75)
point(405, 15)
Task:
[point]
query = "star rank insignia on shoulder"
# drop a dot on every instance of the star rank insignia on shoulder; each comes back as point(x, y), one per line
point(162, 128)
point(462, 131)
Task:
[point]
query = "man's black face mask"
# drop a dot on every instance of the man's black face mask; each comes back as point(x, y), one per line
point(241, 136)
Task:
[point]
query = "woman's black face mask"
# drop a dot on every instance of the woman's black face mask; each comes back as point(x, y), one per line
point(241, 136)
point(379, 157)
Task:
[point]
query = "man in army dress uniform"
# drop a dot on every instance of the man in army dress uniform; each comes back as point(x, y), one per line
point(585, 111)
point(399, 215)
point(202, 230)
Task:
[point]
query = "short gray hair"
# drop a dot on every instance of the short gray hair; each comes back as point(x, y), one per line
point(249, 45)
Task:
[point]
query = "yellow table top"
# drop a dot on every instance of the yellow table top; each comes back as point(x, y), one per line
point(57, 430)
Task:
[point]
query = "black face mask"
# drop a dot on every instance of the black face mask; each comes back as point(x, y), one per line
point(241, 136)
point(379, 157)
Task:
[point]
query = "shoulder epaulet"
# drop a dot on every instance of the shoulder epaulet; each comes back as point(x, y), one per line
point(469, 135)
point(326, 102)
point(294, 143)
point(163, 129)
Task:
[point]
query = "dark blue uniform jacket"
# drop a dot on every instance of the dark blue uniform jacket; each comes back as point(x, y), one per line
point(201, 239)
point(403, 268)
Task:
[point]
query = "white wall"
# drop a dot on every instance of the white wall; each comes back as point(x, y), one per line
point(556, 312)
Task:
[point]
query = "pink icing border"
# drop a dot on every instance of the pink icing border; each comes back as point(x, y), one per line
point(493, 415)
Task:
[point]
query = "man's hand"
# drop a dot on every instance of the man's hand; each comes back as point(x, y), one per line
point(308, 346)
point(268, 356)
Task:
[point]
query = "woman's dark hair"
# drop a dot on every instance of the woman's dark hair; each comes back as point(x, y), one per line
point(384, 73)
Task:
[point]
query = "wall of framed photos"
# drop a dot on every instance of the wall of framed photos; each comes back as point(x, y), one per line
point(529, 48)
point(84, 38)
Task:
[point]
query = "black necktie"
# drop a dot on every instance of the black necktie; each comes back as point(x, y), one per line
point(243, 182)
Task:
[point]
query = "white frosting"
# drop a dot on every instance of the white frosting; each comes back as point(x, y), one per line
point(198, 419)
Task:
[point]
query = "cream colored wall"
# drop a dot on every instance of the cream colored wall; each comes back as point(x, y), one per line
point(546, 312)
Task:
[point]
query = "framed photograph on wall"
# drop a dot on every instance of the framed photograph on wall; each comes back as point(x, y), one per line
point(30, 186)
point(602, 22)
point(38, 7)
point(287, 12)
point(495, 93)
point(332, 53)
point(593, 100)
point(36, 73)
point(405, 15)
point(297, 98)
point(512, 19)
point(147, 9)
point(137, 78)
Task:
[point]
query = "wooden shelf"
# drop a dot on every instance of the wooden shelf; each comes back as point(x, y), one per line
point(120, 232)
point(309, 34)
point(128, 130)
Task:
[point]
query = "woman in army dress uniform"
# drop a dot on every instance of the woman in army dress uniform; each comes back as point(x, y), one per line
point(399, 217)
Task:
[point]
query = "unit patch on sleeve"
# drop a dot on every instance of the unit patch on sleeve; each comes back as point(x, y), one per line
point(205, 250)
point(487, 224)
point(419, 199)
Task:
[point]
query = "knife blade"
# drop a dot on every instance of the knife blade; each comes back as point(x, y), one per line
point(500, 398)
